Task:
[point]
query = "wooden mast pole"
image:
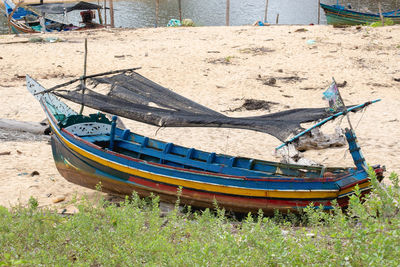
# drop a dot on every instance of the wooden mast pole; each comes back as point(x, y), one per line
point(266, 11)
point(319, 11)
point(228, 4)
point(83, 81)
point(341, 99)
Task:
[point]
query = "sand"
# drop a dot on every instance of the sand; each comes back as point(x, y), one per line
point(218, 67)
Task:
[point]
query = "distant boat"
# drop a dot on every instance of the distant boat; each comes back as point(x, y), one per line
point(339, 15)
point(91, 149)
point(32, 18)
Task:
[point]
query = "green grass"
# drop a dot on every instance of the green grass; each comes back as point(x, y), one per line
point(387, 22)
point(133, 234)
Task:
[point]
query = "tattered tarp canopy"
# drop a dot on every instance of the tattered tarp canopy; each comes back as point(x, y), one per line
point(60, 8)
point(135, 97)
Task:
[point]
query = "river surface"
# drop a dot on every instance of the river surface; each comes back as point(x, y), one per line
point(141, 13)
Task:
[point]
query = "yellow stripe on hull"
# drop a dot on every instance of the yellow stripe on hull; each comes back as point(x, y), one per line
point(362, 187)
point(297, 194)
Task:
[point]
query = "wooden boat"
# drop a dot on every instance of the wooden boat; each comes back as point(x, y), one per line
point(339, 15)
point(27, 19)
point(89, 150)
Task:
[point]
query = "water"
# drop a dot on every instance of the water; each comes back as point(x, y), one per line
point(141, 13)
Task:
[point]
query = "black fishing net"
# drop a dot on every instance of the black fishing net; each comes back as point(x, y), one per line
point(136, 97)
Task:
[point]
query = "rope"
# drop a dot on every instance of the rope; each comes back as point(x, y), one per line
point(362, 115)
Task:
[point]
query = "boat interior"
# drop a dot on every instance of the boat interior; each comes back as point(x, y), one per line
point(144, 148)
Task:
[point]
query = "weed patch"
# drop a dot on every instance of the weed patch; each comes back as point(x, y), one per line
point(133, 233)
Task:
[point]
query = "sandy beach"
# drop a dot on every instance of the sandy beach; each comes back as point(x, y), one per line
point(218, 67)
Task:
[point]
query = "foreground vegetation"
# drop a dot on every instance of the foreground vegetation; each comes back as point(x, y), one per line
point(134, 233)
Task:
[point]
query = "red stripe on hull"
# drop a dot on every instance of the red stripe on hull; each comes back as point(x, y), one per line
point(228, 200)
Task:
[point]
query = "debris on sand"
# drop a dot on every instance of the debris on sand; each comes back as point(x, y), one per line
point(58, 198)
point(254, 104)
point(257, 51)
point(271, 81)
point(224, 60)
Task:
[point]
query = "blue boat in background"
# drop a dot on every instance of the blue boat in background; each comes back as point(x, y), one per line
point(340, 15)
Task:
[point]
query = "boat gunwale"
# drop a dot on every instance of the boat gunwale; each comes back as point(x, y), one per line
point(365, 185)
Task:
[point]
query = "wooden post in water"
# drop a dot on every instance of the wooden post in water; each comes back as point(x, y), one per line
point(319, 11)
point(105, 12)
point(100, 18)
point(266, 11)
point(277, 18)
point(228, 5)
point(99, 13)
point(83, 81)
point(157, 7)
point(180, 10)
point(112, 14)
point(380, 14)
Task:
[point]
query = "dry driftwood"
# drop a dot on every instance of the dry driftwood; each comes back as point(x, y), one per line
point(291, 154)
point(23, 126)
point(318, 140)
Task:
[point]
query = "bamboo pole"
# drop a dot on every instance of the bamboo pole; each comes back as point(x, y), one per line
point(157, 7)
point(319, 11)
point(180, 10)
point(266, 11)
point(228, 6)
point(319, 124)
point(83, 81)
point(112, 14)
point(86, 77)
point(380, 14)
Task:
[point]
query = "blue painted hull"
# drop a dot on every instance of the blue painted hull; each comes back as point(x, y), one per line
point(199, 188)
